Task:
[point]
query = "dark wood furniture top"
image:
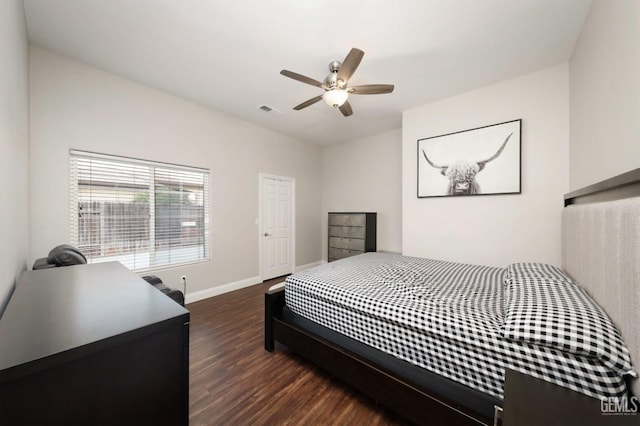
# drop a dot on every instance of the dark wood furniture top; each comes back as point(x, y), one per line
point(96, 329)
point(529, 401)
point(60, 311)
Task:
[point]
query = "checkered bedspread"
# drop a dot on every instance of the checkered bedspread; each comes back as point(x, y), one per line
point(442, 316)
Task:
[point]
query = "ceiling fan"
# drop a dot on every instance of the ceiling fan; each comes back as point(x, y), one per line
point(336, 86)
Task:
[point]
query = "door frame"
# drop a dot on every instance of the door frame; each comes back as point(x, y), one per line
point(292, 207)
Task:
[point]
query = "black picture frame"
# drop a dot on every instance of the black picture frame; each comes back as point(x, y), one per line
point(481, 161)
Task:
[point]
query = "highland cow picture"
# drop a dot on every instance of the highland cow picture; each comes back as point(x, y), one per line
point(481, 161)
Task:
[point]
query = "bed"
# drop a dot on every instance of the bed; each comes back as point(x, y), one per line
point(431, 339)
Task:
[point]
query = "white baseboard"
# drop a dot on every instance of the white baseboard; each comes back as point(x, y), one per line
point(236, 285)
point(309, 265)
point(221, 289)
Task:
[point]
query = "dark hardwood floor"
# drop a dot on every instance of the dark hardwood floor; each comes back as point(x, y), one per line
point(234, 381)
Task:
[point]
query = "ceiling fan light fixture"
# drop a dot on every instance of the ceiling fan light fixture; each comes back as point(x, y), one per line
point(336, 97)
point(336, 84)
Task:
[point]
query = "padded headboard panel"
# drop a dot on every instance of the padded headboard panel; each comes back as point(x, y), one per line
point(601, 251)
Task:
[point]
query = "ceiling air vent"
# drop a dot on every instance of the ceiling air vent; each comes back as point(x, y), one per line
point(267, 108)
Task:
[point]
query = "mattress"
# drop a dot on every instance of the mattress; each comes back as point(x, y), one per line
point(441, 316)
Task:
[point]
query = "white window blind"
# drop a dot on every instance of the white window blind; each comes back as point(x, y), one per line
point(145, 215)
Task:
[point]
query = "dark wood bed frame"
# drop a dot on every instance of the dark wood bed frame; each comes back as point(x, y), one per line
point(417, 404)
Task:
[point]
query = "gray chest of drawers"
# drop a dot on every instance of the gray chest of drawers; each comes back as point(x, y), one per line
point(351, 234)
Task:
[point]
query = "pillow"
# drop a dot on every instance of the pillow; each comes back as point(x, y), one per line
point(544, 306)
point(539, 270)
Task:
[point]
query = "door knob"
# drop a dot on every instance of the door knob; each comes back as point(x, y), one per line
point(266, 234)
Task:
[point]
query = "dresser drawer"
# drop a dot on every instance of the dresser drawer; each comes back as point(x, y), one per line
point(347, 231)
point(346, 243)
point(338, 253)
point(350, 234)
point(347, 220)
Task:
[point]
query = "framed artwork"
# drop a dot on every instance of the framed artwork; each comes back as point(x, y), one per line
point(481, 161)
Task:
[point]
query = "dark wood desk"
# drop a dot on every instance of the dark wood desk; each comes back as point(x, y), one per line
point(92, 344)
point(531, 402)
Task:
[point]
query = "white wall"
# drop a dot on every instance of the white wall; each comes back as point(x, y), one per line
point(494, 229)
point(365, 175)
point(14, 146)
point(80, 107)
point(605, 93)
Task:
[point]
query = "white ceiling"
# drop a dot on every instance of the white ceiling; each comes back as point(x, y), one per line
point(228, 54)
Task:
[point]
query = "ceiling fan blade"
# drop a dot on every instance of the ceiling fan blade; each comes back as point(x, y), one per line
point(300, 77)
point(350, 64)
point(308, 103)
point(345, 109)
point(371, 89)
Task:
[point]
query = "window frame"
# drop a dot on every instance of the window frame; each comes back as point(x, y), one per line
point(151, 165)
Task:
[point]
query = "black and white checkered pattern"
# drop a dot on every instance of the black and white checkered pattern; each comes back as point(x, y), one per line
point(442, 316)
point(546, 307)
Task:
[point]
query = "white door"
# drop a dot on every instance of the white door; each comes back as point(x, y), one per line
point(277, 230)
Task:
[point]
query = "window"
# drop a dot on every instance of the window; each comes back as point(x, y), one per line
point(145, 215)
